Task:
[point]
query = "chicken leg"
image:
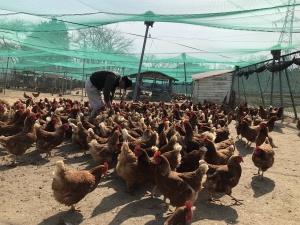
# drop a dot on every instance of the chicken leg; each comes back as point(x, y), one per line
point(211, 199)
point(258, 173)
point(236, 200)
point(74, 208)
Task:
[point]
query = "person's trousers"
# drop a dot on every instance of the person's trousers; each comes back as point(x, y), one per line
point(95, 99)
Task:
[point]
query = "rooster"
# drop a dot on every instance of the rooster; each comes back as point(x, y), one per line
point(183, 215)
point(69, 187)
point(263, 157)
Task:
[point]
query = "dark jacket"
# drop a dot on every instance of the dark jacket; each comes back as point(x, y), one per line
point(106, 81)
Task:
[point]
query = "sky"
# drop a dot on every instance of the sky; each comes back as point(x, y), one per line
point(198, 41)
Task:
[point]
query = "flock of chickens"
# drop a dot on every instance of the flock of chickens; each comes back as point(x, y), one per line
point(179, 148)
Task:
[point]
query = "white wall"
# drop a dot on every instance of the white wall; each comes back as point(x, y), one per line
point(212, 88)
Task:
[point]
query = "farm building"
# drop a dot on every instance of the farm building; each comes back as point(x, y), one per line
point(214, 85)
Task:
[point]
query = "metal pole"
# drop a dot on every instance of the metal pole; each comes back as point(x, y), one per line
point(86, 76)
point(184, 66)
point(272, 85)
point(71, 83)
point(5, 81)
point(280, 87)
point(62, 84)
point(261, 94)
point(82, 85)
point(239, 89)
point(291, 94)
point(141, 61)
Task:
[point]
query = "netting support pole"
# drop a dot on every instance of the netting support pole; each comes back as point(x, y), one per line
point(261, 93)
point(280, 87)
point(185, 79)
point(272, 85)
point(82, 84)
point(137, 81)
point(5, 81)
point(244, 90)
point(63, 84)
point(291, 93)
point(71, 83)
point(84, 89)
point(239, 89)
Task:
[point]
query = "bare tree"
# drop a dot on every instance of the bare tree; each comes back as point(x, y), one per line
point(103, 39)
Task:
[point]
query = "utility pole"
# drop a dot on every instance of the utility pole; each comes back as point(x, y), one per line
point(286, 35)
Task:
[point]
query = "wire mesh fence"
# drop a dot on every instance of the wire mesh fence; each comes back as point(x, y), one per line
point(276, 86)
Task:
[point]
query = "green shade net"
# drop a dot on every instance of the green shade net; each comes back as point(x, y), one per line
point(214, 34)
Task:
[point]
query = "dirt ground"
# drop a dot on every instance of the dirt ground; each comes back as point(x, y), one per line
point(26, 195)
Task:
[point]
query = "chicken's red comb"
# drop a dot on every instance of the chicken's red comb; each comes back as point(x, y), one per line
point(186, 121)
point(118, 127)
point(21, 111)
point(158, 153)
point(67, 126)
point(188, 204)
point(106, 165)
point(137, 147)
point(205, 139)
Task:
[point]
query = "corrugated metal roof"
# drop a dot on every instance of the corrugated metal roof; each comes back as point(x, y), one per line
point(151, 75)
point(210, 73)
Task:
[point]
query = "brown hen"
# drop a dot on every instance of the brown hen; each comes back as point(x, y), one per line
point(69, 187)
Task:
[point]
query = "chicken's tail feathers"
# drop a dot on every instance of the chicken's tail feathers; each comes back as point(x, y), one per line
point(90, 131)
point(36, 124)
point(177, 147)
point(154, 148)
point(60, 167)
point(124, 134)
point(203, 166)
point(267, 140)
point(173, 139)
point(92, 143)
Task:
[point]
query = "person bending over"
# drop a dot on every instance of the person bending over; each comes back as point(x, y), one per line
point(106, 81)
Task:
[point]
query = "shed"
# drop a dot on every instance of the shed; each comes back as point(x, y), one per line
point(212, 86)
point(159, 92)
